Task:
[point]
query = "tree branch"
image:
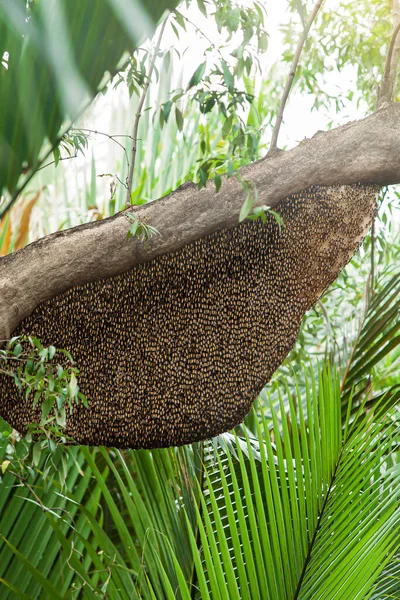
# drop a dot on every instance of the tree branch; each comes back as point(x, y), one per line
point(387, 89)
point(362, 151)
point(289, 82)
point(139, 114)
point(396, 48)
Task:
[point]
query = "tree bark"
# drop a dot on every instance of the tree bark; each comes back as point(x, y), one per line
point(365, 151)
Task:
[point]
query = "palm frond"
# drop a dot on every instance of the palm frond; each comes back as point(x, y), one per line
point(388, 585)
point(285, 514)
point(378, 338)
point(298, 513)
point(358, 525)
point(24, 529)
point(74, 41)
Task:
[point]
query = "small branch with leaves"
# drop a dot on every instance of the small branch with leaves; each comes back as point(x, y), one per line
point(385, 92)
point(139, 114)
point(274, 140)
point(46, 376)
point(140, 229)
point(40, 374)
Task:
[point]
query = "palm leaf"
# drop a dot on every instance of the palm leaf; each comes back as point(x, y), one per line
point(271, 515)
point(23, 525)
point(358, 525)
point(379, 337)
point(302, 506)
point(388, 586)
point(53, 61)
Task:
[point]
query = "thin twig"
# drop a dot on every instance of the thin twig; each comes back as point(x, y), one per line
point(112, 138)
point(289, 82)
point(95, 132)
point(396, 49)
point(327, 319)
point(201, 32)
point(386, 90)
point(24, 483)
point(52, 162)
point(115, 176)
point(372, 274)
point(139, 114)
point(31, 490)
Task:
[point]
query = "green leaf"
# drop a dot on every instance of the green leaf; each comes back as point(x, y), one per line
point(197, 75)
point(246, 208)
point(263, 42)
point(133, 229)
point(17, 350)
point(56, 155)
point(175, 30)
point(47, 406)
point(167, 109)
point(180, 19)
point(227, 126)
point(51, 592)
point(179, 118)
point(202, 7)
point(4, 466)
point(228, 77)
point(18, 593)
point(36, 452)
point(73, 386)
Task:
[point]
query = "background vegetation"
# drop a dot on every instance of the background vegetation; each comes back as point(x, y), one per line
point(302, 500)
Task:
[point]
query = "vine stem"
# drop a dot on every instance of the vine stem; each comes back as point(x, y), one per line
point(289, 82)
point(139, 114)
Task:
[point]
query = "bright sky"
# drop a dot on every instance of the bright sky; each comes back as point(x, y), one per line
point(299, 120)
point(114, 114)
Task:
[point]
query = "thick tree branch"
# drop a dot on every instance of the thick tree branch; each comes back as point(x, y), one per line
point(361, 151)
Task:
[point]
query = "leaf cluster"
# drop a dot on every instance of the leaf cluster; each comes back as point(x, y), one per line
point(37, 95)
point(266, 513)
point(139, 229)
point(47, 377)
point(347, 38)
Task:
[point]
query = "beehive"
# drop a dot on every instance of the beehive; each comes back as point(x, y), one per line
point(176, 349)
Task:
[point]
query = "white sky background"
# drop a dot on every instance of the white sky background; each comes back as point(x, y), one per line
point(299, 122)
point(114, 112)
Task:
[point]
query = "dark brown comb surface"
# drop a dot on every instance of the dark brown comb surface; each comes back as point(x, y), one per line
point(176, 350)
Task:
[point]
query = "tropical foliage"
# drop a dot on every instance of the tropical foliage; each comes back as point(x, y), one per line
point(50, 46)
point(301, 501)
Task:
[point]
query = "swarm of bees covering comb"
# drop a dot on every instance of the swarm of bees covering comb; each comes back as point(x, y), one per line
point(175, 350)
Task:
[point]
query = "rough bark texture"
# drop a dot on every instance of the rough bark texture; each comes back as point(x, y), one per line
point(174, 350)
point(362, 151)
